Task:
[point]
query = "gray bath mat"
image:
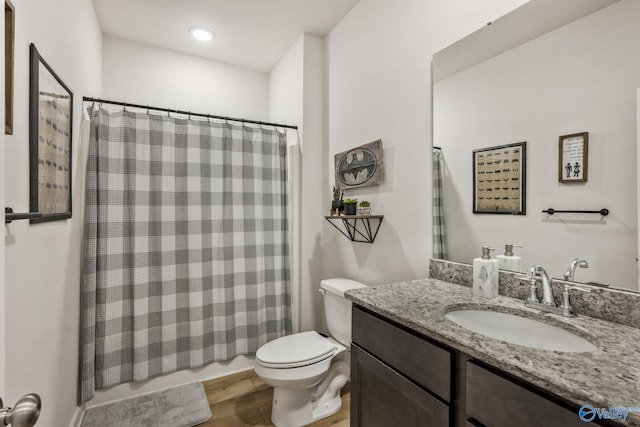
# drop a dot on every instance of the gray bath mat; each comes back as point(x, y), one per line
point(183, 406)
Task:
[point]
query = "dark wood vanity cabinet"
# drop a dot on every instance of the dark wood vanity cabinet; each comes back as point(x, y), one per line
point(392, 381)
point(400, 378)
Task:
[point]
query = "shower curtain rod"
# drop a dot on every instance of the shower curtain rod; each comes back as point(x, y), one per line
point(187, 113)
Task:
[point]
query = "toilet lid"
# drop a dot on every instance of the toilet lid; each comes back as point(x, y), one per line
point(295, 350)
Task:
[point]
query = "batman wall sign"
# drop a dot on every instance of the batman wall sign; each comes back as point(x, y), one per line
point(360, 166)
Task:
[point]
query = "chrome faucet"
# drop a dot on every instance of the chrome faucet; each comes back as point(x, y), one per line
point(571, 270)
point(547, 282)
point(548, 303)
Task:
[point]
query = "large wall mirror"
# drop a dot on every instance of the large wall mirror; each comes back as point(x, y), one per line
point(547, 69)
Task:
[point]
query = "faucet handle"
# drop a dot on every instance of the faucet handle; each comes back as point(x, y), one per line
point(567, 308)
point(533, 280)
point(575, 287)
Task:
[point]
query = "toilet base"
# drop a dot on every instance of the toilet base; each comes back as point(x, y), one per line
point(294, 408)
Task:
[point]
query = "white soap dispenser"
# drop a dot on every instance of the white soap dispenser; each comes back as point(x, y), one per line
point(485, 275)
point(509, 261)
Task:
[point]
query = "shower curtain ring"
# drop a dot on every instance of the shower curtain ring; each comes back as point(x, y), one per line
point(147, 110)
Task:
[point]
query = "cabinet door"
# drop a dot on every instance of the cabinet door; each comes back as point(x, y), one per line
point(426, 363)
point(381, 397)
point(498, 402)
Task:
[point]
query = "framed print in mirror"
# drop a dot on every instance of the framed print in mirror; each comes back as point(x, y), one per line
point(499, 179)
point(573, 158)
point(50, 124)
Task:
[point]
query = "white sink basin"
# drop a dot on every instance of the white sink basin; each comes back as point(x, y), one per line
point(520, 330)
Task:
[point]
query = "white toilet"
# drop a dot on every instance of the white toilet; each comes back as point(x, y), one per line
point(308, 370)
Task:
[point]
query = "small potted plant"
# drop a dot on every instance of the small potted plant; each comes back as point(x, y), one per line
point(350, 205)
point(336, 204)
point(364, 208)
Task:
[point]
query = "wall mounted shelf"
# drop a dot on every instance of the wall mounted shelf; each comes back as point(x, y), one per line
point(357, 228)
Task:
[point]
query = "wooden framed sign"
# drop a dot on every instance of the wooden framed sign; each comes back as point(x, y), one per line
point(573, 158)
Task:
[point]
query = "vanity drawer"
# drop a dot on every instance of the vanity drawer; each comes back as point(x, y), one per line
point(496, 401)
point(418, 359)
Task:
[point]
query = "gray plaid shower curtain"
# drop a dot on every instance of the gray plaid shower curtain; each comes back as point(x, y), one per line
point(439, 230)
point(185, 248)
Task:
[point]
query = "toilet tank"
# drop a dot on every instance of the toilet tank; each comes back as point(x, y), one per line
point(337, 309)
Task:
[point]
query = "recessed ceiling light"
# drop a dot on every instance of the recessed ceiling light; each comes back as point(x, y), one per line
point(201, 34)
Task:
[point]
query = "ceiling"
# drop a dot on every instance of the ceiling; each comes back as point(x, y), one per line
point(252, 34)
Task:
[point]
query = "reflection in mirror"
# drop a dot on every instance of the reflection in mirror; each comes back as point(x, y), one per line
point(579, 73)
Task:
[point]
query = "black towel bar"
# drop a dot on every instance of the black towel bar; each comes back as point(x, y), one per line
point(10, 216)
point(550, 211)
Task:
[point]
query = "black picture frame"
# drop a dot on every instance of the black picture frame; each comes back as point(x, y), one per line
point(499, 179)
point(9, 54)
point(50, 136)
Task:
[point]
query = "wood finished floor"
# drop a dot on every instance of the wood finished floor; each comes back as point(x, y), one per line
point(244, 400)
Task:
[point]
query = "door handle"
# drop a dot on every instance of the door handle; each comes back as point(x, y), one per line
point(25, 413)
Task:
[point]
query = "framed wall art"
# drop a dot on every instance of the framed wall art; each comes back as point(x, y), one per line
point(50, 124)
point(9, 44)
point(359, 167)
point(499, 179)
point(573, 158)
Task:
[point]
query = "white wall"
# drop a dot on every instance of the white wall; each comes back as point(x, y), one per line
point(143, 74)
point(42, 269)
point(286, 82)
point(638, 162)
point(296, 96)
point(313, 167)
point(2, 251)
point(581, 77)
point(378, 86)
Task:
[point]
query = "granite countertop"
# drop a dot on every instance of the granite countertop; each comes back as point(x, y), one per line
point(607, 377)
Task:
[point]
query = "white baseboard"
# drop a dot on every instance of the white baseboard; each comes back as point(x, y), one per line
point(76, 421)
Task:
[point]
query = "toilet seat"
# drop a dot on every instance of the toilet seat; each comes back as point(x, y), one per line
point(297, 350)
